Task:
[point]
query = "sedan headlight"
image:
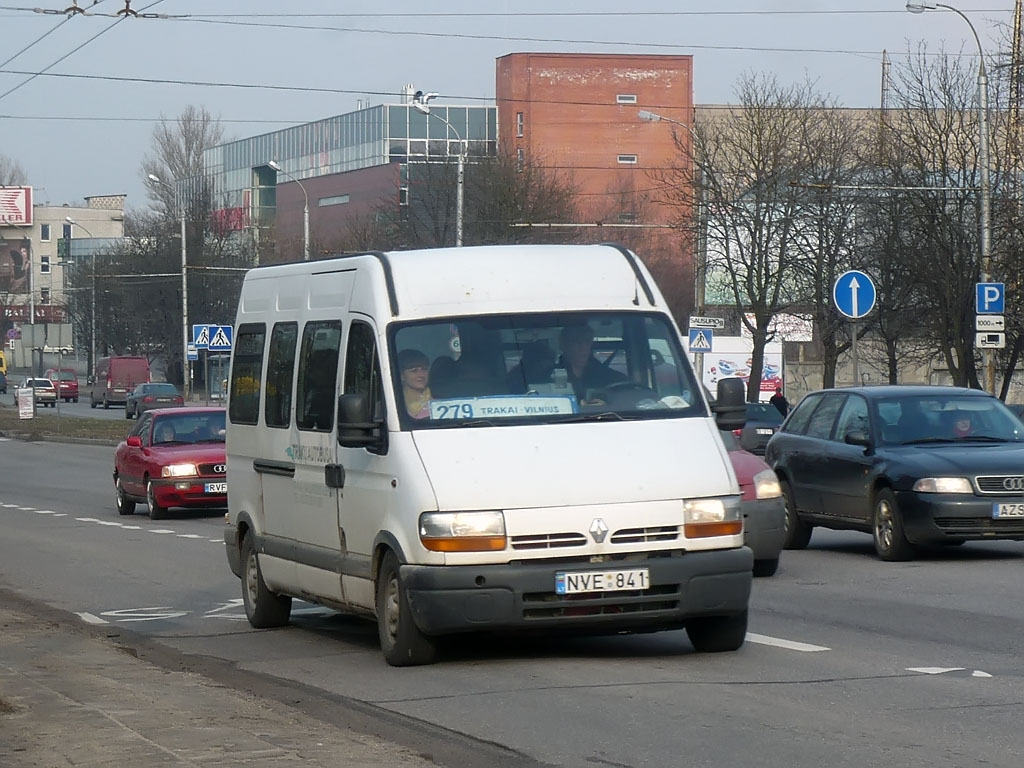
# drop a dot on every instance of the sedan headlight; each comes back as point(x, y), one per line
point(179, 470)
point(766, 485)
point(943, 485)
point(462, 531)
point(711, 517)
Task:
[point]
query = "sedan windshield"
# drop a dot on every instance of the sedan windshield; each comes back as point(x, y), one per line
point(946, 418)
point(545, 367)
point(206, 427)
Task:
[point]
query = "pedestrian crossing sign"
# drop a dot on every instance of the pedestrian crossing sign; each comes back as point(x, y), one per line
point(220, 338)
point(201, 336)
point(701, 339)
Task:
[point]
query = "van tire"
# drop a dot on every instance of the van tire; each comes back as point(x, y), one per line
point(92, 401)
point(263, 608)
point(125, 506)
point(156, 512)
point(798, 533)
point(106, 405)
point(716, 634)
point(766, 567)
point(401, 641)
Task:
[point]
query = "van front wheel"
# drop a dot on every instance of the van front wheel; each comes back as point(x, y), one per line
point(263, 608)
point(716, 634)
point(401, 641)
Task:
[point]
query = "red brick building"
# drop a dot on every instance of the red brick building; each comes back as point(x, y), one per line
point(578, 113)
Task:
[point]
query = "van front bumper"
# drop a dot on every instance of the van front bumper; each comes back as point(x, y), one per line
point(521, 596)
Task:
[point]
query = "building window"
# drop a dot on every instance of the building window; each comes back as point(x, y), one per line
point(44, 265)
point(627, 217)
point(335, 200)
point(403, 195)
point(627, 159)
point(626, 98)
point(44, 233)
point(519, 123)
point(44, 295)
point(520, 160)
point(66, 232)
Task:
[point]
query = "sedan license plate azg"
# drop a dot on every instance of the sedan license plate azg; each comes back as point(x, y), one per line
point(216, 488)
point(578, 582)
point(1008, 509)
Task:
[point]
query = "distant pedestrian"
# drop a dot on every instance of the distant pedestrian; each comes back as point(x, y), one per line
point(779, 401)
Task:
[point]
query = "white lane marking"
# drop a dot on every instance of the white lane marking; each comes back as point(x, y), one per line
point(216, 541)
point(791, 645)
point(87, 519)
point(189, 536)
point(45, 512)
point(27, 509)
point(160, 530)
point(9, 506)
point(91, 619)
point(235, 602)
point(979, 673)
point(60, 514)
point(108, 522)
point(145, 614)
point(132, 527)
point(934, 670)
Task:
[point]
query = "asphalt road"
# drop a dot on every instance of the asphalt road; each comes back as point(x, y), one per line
point(82, 408)
point(850, 661)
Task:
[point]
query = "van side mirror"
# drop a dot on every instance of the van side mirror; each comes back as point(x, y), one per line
point(731, 404)
point(356, 426)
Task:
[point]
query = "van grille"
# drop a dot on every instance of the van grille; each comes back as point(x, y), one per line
point(548, 540)
point(641, 535)
point(548, 605)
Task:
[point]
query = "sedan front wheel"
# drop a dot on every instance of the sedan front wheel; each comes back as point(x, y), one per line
point(891, 542)
point(156, 512)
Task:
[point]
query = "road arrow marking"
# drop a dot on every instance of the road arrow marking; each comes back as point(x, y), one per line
point(791, 645)
point(89, 618)
point(934, 670)
point(979, 673)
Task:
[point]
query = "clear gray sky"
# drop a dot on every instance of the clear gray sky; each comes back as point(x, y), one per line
point(86, 135)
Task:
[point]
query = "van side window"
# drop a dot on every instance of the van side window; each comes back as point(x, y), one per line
point(362, 369)
point(318, 375)
point(280, 367)
point(246, 374)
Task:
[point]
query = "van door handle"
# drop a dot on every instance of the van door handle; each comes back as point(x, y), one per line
point(334, 475)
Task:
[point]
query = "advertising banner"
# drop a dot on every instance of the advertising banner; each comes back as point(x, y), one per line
point(14, 264)
point(16, 206)
point(732, 358)
point(26, 403)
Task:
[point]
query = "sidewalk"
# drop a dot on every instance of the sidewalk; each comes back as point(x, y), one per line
point(70, 697)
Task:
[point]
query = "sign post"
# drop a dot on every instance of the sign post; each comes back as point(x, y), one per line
point(854, 297)
point(990, 303)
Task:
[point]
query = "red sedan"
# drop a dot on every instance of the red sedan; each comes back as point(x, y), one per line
point(174, 457)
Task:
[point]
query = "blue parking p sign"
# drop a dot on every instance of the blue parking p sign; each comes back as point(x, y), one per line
point(991, 298)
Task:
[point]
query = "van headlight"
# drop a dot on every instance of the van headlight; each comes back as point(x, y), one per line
point(179, 470)
point(463, 531)
point(766, 485)
point(943, 485)
point(711, 517)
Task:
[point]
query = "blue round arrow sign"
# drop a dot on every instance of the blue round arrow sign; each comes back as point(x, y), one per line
point(854, 294)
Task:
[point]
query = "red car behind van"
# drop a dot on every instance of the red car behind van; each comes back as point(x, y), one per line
point(65, 380)
point(115, 378)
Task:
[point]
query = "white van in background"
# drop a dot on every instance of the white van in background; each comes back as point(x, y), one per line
point(490, 438)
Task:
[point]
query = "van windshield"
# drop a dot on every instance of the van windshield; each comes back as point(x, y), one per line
point(541, 367)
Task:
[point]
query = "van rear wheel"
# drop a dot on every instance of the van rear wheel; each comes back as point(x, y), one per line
point(263, 608)
point(401, 641)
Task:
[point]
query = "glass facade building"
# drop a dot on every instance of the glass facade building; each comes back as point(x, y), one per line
point(244, 185)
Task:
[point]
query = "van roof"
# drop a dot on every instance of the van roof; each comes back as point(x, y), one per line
point(501, 278)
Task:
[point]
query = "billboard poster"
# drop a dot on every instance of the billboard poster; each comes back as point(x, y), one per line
point(731, 357)
point(16, 206)
point(15, 255)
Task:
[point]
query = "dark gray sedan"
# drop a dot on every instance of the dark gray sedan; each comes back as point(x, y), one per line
point(159, 394)
point(910, 465)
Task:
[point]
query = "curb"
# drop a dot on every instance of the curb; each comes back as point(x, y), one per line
point(34, 437)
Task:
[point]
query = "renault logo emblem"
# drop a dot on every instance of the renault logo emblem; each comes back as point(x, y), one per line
point(598, 530)
point(1010, 484)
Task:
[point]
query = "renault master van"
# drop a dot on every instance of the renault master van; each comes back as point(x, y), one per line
point(115, 378)
point(469, 439)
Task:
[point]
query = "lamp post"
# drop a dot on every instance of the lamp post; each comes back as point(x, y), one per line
point(305, 208)
point(92, 300)
point(986, 189)
point(422, 106)
point(186, 368)
point(701, 265)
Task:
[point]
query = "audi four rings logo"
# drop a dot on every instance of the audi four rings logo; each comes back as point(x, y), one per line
point(1013, 483)
point(220, 469)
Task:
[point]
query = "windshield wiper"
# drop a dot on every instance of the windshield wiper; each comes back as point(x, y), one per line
point(983, 439)
point(922, 440)
point(603, 416)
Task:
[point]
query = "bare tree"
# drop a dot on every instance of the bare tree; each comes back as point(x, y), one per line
point(11, 172)
point(177, 154)
point(744, 174)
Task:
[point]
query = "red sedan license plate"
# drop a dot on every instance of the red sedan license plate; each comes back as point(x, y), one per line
point(216, 488)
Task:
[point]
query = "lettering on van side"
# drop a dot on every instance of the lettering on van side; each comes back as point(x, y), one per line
point(309, 454)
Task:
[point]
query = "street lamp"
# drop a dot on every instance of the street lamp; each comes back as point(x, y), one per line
point(986, 191)
point(186, 368)
point(305, 208)
point(701, 266)
point(422, 106)
point(92, 301)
